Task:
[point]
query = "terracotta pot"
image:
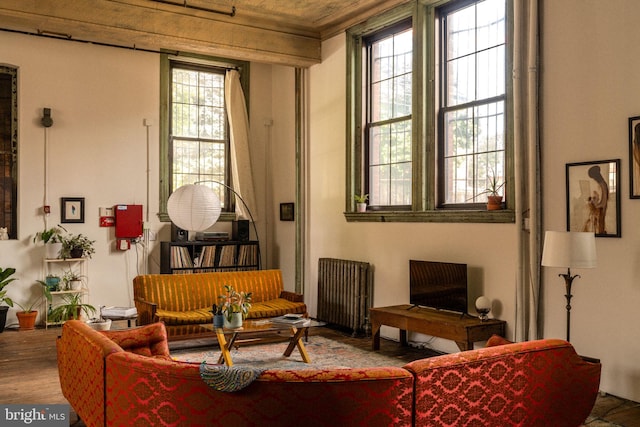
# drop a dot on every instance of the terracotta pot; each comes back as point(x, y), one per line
point(494, 203)
point(27, 319)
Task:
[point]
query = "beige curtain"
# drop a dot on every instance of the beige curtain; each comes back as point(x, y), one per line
point(241, 174)
point(527, 169)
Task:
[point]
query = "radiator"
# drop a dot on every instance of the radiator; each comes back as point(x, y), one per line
point(345, 293)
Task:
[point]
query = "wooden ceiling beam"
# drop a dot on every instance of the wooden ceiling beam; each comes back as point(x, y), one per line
point(156, 26)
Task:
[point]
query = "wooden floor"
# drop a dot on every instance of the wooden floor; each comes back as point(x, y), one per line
point(30, 375)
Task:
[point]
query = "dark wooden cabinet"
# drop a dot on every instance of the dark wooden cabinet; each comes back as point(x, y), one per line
point(199, 257)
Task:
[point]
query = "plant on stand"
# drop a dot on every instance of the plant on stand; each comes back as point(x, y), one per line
point(52, 239)
point(71, 307)
point(77, 246)
point(5, 279)
point(72, 280)
point(235, 306)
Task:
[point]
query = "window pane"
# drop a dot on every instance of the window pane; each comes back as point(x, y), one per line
point(473, 148)
point(390, 133)
point(198, 127)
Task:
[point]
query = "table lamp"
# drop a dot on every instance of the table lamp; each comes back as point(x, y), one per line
point(569, 249)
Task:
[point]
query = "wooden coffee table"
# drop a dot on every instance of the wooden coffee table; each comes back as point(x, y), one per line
point(263, 327)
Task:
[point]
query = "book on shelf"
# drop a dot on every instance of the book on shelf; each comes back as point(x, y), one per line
point(119, 311)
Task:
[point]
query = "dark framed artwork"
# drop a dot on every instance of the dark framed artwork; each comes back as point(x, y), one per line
point(286, 212)
point(72, 209)
point(593, 199)
point(634, 157)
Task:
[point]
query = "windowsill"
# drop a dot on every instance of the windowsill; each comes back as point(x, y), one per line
point(463, 216)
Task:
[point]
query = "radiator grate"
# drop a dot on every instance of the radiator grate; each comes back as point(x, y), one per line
point(345, 293)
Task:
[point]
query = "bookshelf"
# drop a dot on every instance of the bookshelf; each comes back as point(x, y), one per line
point(200, 256)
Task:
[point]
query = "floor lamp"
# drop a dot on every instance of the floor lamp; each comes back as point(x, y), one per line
point(569, 249)
point(195, 207)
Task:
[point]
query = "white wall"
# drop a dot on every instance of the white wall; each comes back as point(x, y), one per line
point(590, 87)
point(99, 97)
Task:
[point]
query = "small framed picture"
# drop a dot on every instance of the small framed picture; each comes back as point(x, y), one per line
point(72, 209)
point(593, 201)
point(634, 157)
point(286, 211)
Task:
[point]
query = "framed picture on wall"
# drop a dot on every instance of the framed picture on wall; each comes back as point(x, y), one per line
point(72, 209)
point(286, 212)
point(593, 199)
point(634, 157)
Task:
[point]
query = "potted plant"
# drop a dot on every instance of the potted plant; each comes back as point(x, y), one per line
point(52, 282)
point(218, 317)
point(27, 317)
point(77, 246)
point(70, 308)
point(52, 239)
point(72, 280)
point(5, 279)
point(494, 198)
point(99, 323)
point(361, 202)
point(235, 306)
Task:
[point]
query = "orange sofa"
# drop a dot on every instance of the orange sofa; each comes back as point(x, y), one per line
point(127, 378)
point(183, 301)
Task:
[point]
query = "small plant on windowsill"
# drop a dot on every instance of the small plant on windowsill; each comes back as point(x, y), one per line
point(494, 198)
point(361, 202)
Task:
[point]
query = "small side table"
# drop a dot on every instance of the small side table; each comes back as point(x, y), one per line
point(127, 318)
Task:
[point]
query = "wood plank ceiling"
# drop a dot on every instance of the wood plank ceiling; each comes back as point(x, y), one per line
point(287, 32)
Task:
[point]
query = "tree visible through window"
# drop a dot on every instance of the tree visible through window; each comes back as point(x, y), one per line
point(199, 128)
point(389, 129)
point(472, 116)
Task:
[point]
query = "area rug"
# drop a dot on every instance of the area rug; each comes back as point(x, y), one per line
point(323, 352)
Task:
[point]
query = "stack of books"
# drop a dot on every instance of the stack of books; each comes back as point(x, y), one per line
point(290, 319)
point(119, 311)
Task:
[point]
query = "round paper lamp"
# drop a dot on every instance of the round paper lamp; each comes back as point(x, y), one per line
point(483, 307)
point(193, 207)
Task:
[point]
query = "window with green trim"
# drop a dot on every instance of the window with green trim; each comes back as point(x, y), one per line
point(428, 122)
point(194, 129)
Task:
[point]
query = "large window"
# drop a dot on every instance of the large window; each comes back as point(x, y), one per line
point(194, 129)
point(428, 120)
point(388, 129)
point(199, 137)
point(472, 114)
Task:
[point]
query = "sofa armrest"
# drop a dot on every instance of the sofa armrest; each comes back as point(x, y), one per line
point(146, 311)
point(545, 381)
point(149, 340)
point(292, 296)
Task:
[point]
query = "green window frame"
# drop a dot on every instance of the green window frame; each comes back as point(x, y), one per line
point(427, 201)
point(209, 148)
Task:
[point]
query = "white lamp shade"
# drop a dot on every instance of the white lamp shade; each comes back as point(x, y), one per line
point(483, 303)
point(193, 207)
point(569, 249)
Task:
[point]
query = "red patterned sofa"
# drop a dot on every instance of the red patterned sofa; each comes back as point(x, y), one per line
point(183, 301)
point(127, 378)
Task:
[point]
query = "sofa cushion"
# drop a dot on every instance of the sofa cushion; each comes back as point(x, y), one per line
point(275, 307)
point(149, 340)
point(188, 317)
point(497, 340)
point(260, 310)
